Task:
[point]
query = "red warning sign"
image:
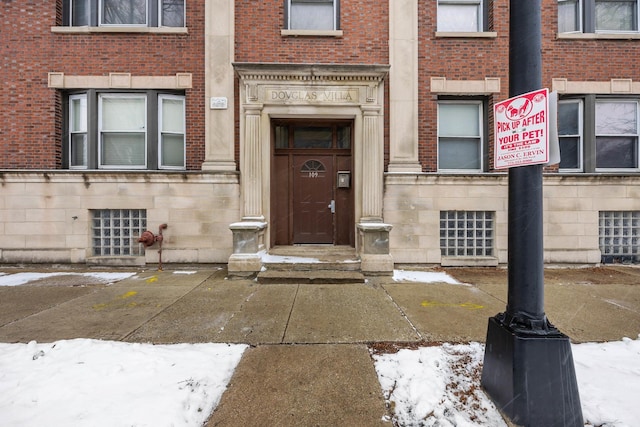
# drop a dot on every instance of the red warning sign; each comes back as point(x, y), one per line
point(522, 130)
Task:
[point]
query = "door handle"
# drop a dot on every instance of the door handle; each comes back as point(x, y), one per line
point(332, 206)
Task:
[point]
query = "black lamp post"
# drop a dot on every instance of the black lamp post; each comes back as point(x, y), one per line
point(528, 364)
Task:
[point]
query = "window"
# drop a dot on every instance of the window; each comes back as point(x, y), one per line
point(460, 15)
point(619, 234)
point(599, 134)
point(139, 13)
point(591, 16)
point(466, 233)
point(138, 130)
point(616, 135)
point(312, 135)
point(570, 135)
point(312, 14)
point(460, 136)
point(115, 232)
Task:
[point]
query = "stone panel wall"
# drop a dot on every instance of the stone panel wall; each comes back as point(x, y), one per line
point(46, 217)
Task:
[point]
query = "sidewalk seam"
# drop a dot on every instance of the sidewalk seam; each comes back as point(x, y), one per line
point(293, 304)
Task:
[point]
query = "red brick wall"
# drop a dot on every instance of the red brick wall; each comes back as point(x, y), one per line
point(585, 60)
point(364, 23)
point(30, 112)
point(456, 59)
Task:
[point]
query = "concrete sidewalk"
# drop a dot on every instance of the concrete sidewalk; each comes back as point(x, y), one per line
point(309, 363)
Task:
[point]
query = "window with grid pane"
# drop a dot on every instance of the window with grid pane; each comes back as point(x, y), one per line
point(619, 233)
point(115, 232)
point(467, 233)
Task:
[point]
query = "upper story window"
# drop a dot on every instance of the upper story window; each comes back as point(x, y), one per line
point(136, 130)
point(599, 134)
point(138, 13)
point(594, 16)
point(460, 136)
point(460, 16)
point(321, 15)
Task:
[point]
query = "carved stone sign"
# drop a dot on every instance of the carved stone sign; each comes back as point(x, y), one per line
point(311, 95)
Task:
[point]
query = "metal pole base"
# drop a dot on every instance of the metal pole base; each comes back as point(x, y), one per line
point(531, 377)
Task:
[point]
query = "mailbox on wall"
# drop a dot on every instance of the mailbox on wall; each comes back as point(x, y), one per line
point(344, 179)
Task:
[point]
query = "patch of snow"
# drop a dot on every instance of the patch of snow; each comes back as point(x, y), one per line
point(104, 383)
point(184, 272)
point(288, 259)
point(18, 279)
point(424, 277)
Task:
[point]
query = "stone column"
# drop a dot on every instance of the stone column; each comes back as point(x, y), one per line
point(403, 92)
point(219, 90)
point(373, 234)
point(248, 235)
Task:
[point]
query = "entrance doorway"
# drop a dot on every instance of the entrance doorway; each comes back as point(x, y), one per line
point(311, 191)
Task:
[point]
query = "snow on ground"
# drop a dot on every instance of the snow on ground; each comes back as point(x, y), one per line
point(440, 386)
point(94, 383)
point(18, 279)
point(423, 277)
point(102, 383)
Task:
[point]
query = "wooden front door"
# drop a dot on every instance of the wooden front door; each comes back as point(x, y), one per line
point(309, 205)
point(313, 201)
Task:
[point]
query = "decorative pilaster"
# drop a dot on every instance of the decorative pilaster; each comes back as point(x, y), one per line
point(219, 86)
point(403, 95)
point(251, 165)
point(373, 165)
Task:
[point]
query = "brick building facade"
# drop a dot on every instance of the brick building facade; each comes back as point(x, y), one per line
point(246, 126)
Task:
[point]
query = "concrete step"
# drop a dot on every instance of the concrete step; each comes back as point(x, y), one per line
point(313, 266)
point(317, 276)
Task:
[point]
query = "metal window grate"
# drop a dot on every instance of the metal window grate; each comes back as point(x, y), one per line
point(116, 231)
point(466, 233)
point(619, 233)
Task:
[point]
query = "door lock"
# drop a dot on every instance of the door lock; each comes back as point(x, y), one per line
point(332, 206)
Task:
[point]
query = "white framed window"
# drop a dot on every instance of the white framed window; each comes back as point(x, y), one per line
point(131, 130)
point(171, 132)
point(569, 16)
point(616, 133)
point(312, 15)
point(122, 131)
point(570, 131)
point(124, 13)
point(616, 15)
point(460, 136)
point(460, 16)
point(78, 145)
point(598, 16)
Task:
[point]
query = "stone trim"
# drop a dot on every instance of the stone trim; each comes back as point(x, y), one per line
point(465, 87)
point(311, 33)
point(119, 81)
point(469, 34)
point(598, 36)
point(611, 87)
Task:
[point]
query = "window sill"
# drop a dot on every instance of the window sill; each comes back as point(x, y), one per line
point(469, 34)
point(311, 33)
point(144, 30)
point(598, 36)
